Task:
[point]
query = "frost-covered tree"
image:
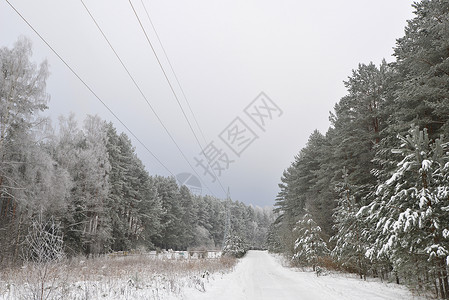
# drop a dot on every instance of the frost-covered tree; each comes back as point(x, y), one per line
point(235, 246)
point(423, 70)
point(304, 183)
point(84, 154)
point(204, 227)
point(285, 210)
point(27, 176)
point(93, 178)
point(189, 217)
point(309, 246)
point(91, 181)
point(172, 212)
point(264, 218)
point(402, 225)
point(410, 212)
point(146, 224)
point(22, 93)
point(274, 243)
point(216, 219)
point(133, 206)
point(350, 244)
point(358, 121)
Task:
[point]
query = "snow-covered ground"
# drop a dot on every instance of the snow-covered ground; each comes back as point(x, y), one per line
point(260, 276)
point(139, 277)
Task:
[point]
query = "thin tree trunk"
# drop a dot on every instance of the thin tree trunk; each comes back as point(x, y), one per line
point(444, 278)
point(435, 283)
point(441, 286)
point(1, 196)
point(16, 249)
point(7, 207)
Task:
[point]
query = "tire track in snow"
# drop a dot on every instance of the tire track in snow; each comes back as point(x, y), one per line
point(259, 276)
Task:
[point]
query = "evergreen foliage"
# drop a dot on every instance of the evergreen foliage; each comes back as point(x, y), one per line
point(390, 212)
point(309, 246)
point(235, 246)
point(350, 245)
point(410, 211)
point(85, 191)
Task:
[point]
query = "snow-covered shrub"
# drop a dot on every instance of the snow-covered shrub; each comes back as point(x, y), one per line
point(235, 246)
point(44, 241)
point(309, 246)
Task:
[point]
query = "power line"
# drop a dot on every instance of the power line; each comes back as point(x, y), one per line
point(173, 71)
point(88, 87)
point(173, 91)
point(143, 95)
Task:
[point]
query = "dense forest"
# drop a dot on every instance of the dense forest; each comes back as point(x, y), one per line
point(83, 190)
point(371, 195)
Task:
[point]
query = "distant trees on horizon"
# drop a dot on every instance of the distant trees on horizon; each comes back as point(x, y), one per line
point(91, 184)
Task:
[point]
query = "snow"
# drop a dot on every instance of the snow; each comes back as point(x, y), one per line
point(445, 233)
point(426, 165)
point(131, 277)
point(260, 276)
point(257, 276)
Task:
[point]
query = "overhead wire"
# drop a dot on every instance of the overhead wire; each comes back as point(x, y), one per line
point(143, 94)
point(173, 91)
point(89, 88)
point(173, 71)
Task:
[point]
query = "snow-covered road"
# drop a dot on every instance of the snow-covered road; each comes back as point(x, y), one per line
point(259, 276)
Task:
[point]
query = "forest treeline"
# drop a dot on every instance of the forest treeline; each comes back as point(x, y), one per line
point(371, 195)
point(86, 187)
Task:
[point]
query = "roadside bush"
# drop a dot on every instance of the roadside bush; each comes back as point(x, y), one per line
point(235, 246)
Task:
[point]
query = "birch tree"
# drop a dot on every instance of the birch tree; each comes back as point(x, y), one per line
point(22, 98)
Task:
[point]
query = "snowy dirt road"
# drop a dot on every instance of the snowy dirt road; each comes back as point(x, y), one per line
point(260, 276)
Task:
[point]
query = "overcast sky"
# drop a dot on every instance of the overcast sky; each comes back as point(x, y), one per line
point(224, 53)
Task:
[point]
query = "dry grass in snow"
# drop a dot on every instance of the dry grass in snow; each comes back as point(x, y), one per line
point(130, 277)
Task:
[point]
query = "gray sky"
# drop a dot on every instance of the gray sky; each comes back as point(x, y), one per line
point(224, 53)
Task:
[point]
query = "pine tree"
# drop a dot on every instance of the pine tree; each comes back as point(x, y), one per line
point(410, 212)
point(171, 217)
point(422, 64)
point(95, 184)
point(350, 245)
point(304, 184)
point(235, 246)
point(359, 121)
point(149, 209)
point(274, 243)
point(133, 206)
point(84, 155)
point(189, 218)
point(309, 246)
